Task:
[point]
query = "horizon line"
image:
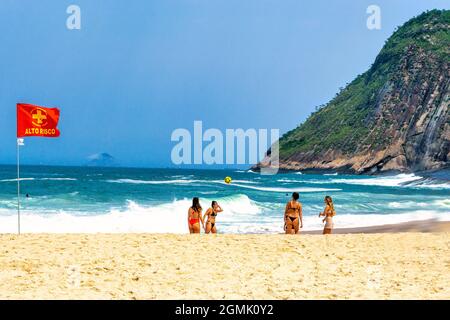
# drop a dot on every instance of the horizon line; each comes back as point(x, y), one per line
point(119, 167)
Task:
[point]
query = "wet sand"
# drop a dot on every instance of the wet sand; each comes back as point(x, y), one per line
point(431, 225)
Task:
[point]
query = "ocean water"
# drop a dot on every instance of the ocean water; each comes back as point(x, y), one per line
point(81, 199)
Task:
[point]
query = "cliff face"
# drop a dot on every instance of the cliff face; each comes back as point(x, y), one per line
point(394, 117)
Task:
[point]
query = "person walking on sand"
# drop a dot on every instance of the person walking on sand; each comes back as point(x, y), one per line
point(195, 216)
point(328, 213)
point(293, 216)
point(211, 213)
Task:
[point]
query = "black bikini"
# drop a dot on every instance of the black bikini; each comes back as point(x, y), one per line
point(213, 215)
point(292, 218)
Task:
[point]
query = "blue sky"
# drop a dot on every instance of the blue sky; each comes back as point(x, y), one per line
point(137, 70)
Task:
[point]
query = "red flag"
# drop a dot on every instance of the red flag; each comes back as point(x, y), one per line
point(37, 121)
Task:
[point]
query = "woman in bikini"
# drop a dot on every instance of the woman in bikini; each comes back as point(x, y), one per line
point(211, 213)
point(293, 216)
point(195, 216)
point(328, 213)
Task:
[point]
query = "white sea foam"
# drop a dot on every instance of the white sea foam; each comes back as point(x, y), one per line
point(443, 203)
point(176, 181)
point(134, 181)
point(386, 181)
point(180, 176)
point(311, 223)
point(233, 181)
point(164, 218)
point(41, 179)
point(15, 180)
point(428, 185)
point(287, 180)
point(59, 179)
point(407, 204)
point(400, 180)
point(241, 215)
point(276, 189)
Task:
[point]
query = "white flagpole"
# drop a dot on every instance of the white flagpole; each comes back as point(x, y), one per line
point(18, 187)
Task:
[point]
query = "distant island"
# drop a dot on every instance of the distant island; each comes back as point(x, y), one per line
point(101, 160)
point(394, 117)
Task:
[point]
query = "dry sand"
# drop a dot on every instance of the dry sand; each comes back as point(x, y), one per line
point(146, 266)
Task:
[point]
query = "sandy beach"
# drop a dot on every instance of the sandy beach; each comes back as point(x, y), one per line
point(409, 265)
point(430, 225)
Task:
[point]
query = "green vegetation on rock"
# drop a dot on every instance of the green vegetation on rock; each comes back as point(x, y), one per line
point(347, 122)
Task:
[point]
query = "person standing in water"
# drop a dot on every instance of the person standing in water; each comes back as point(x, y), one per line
point(211, 213)
point(293, 216)
point(328, 213)
point(195, 216)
